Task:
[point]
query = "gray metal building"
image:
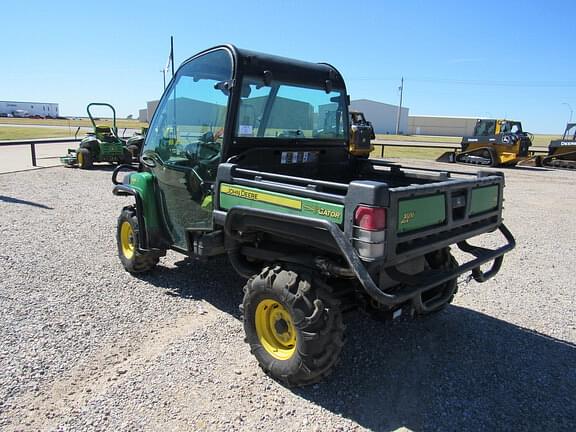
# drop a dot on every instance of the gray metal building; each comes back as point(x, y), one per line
point(27, 109)
point(382, 115)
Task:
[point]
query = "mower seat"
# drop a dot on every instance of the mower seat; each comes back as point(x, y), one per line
point(105, 133)
point(103, 129)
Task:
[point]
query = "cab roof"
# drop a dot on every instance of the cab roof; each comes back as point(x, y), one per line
point(255, 63)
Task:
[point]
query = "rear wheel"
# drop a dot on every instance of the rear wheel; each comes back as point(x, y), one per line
point(127, 237)
point(441, 260)
point(126, 157)
point(134, 151)
point(84, 158)
point(294, 327)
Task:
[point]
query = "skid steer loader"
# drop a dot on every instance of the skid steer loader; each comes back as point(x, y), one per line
point(561, 152)
point(494, 143)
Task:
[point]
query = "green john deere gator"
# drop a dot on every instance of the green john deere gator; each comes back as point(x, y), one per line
point(240, 160)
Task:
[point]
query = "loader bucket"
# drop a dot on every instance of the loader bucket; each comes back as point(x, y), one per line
point(449, 157)
point(534, 161)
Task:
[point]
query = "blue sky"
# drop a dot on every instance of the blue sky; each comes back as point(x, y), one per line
point(490, 58)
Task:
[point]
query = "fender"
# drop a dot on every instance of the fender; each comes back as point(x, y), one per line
point(140, 186)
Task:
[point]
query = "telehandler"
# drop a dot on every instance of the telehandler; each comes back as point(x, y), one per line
point(361, 134)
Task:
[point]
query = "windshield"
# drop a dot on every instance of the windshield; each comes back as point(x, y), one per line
point(485, 128)
point(287, 111)
point(512, 127)
point(188, 125)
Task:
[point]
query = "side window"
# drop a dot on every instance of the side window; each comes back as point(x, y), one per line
point(188, 126)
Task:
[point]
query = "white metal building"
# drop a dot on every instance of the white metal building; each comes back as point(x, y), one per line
point(441, 125)
point(150, 108)
point(27, 109)
point(382, 115)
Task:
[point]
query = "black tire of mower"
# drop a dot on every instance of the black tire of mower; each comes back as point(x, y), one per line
point(84, 161)
point(126, 157)
point(450, 286)
point(317, 318)
point(134, 151)
point(140, 262)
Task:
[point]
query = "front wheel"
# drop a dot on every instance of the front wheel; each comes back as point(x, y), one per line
point(293, 325)
point(84, 158)
point(128, 233)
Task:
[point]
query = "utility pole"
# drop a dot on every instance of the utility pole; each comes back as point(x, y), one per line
point(172, 53)
point(170, 63)
point(401, 88)
point(570, 108)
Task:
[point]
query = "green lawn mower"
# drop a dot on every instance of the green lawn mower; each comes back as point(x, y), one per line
point(101, 145)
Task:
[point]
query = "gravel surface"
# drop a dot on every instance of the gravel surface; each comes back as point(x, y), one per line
point(86, 346)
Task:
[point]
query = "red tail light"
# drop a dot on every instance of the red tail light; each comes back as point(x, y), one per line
point(370, 218)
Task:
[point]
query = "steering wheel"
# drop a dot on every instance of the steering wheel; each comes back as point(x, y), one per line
point(113, 133)
point(191, 151)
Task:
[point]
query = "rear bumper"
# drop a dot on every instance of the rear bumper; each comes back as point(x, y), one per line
point(248, 219)
point(416, 285)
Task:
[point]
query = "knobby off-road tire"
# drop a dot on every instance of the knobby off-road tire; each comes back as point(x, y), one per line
point(84, 158)
point(449, 288)
point(127, 238)
point(293, 325)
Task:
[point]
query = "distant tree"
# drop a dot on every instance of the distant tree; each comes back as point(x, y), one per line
point(130, 117)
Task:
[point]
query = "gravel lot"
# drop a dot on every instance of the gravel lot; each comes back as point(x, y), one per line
point(86, 346)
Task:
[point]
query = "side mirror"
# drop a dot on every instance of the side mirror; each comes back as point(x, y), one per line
point(148, 161)
point(223, 86)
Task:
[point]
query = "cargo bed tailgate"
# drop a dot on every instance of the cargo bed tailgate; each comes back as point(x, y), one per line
point(422, 218)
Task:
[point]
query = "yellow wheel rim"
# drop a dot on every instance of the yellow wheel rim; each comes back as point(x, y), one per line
point(275, 329)
point(127, 239)
point(80, 157)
